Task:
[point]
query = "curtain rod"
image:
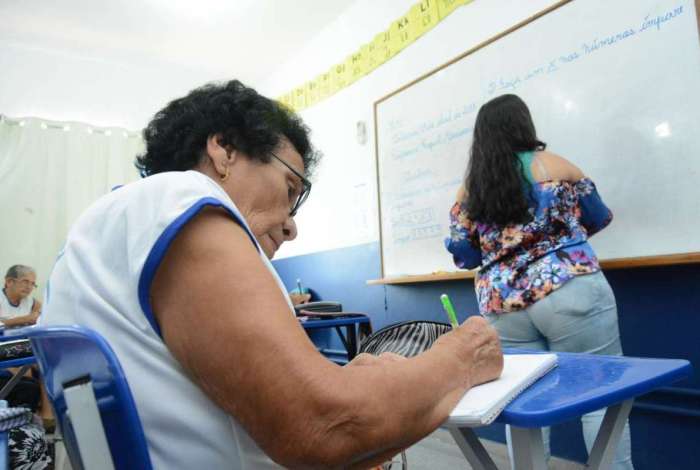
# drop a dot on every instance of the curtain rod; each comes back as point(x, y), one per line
point(67, 126)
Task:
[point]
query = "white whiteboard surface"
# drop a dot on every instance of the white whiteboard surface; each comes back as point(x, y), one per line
point(612, 86)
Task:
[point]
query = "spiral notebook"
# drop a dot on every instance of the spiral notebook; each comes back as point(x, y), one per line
point(483, 403)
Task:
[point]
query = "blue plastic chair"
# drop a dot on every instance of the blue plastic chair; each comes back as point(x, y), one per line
point(4, 455)
point(94, 408)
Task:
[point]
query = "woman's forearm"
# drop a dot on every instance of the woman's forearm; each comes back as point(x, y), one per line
point(388, 405)
point(23, 320)
point(372, 410)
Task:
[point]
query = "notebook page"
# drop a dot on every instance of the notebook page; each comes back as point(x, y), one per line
point(483, 403)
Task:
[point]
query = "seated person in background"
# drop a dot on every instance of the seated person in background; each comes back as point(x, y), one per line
point(174, 271)
point(27, 444)
point(17, 307)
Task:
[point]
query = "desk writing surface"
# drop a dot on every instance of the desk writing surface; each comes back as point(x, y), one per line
point(582, 383)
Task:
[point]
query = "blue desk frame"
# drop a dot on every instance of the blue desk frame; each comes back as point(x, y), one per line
point(350, 324)
point(580, 383)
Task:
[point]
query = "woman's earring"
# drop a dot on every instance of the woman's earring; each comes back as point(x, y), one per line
point(224, 177)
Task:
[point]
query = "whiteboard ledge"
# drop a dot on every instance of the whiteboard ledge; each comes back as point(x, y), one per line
point(659, 260)
point(434, 277)
point(617, 263)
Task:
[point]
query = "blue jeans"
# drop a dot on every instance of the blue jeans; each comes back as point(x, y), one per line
point(580, 317)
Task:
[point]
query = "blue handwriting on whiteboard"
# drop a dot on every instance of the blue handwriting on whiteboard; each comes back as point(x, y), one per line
point(659, 20)
point(509, 84)
point(401, 154)
point(401, 135)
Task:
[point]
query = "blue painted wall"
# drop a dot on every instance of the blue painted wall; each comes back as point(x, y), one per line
point(659, 309)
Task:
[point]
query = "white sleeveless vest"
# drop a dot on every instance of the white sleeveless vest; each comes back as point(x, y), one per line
point(8, 310)
point(102, 280)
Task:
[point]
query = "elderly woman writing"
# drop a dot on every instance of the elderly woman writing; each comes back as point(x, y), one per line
point(174, 271)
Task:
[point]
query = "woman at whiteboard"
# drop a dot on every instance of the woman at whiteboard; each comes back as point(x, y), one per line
point(524, 215)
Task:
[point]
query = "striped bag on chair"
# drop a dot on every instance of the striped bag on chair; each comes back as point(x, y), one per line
point(406, 338)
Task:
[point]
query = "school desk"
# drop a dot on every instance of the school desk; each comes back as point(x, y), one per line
point(580, 383)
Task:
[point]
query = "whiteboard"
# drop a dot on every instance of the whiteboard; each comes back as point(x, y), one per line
point(612, 86)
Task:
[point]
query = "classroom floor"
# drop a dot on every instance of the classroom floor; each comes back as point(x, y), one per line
point(436, 452)
point(439, 451)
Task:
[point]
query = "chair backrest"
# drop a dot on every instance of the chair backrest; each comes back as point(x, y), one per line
point(91, 398)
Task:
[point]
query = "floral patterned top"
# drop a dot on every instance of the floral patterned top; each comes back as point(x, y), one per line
point(522, 263)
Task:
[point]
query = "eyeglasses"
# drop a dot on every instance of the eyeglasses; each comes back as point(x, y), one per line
point(305, 187)
point(26, 283)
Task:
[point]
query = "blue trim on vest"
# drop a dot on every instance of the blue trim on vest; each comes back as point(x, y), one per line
point(161, 247)
point(47, 291)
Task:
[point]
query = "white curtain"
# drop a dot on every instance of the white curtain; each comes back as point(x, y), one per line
point(50, 172)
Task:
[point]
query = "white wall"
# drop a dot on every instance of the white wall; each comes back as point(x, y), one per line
point(57, 85)
point(342, 209)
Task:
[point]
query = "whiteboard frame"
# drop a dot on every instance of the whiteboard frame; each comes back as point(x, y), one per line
point(615, 263)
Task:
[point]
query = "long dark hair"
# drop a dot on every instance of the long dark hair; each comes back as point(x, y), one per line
point(495, 181)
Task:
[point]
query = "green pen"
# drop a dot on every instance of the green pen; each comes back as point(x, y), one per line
point(450, 310)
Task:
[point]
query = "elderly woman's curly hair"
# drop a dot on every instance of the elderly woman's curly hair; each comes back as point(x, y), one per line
point(176, 137)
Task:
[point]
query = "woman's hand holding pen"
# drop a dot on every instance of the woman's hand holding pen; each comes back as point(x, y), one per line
point(476, 343)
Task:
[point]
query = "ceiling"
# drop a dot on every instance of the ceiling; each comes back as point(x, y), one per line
point(245, 38)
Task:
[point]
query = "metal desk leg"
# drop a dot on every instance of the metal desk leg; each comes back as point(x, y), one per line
point(13, 381)
point(343, 340)
point(528, 449)
point(352, 342)
point(609, 435)
point(349, 340)
point(472, 449)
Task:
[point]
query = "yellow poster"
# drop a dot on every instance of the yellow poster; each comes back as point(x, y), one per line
point(424, 16)
point(445, 7)
point(299, 98)
point(357, 66)
point(368, 59)
point(348, 71)
point(421, 18)
point(311, 93)
point(382, 49)
point(339, 76)
point(401, 34)
point(325, 85)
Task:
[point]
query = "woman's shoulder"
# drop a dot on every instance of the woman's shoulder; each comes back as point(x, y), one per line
point(549, 166)
point(177, 184)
